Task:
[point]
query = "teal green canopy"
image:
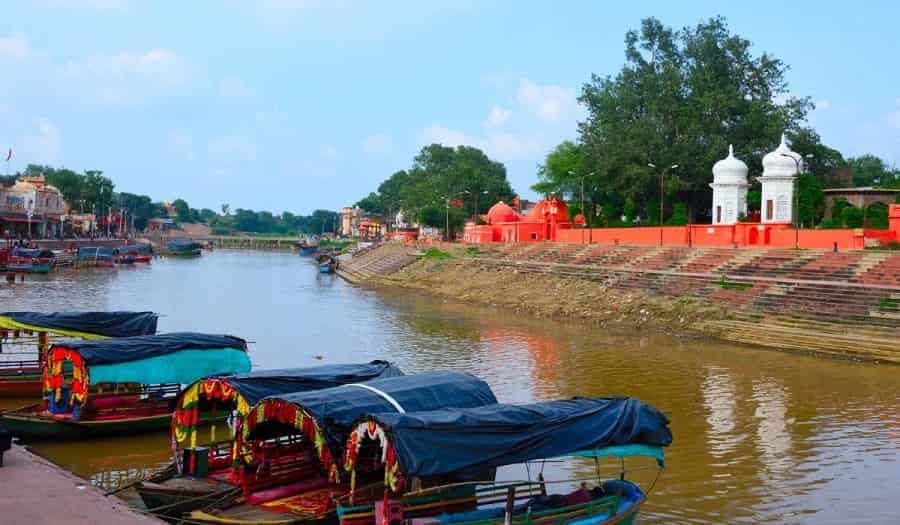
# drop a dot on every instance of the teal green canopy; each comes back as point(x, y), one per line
point(622, 451)
point(184, 366)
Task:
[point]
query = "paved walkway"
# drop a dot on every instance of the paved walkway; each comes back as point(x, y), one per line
point(34, 491)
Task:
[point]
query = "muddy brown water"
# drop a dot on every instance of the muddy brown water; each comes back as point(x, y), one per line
point(760, 436)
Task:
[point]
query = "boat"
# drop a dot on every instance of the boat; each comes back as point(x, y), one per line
point(184, 248)
point(327, 264)
point(99, 256)
point(288, 447)
point(121, 386)
point(407, 452)
point(25, 338)
point(31, 260)
point(180, 491)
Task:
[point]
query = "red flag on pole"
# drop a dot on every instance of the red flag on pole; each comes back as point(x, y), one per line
point(9, 155)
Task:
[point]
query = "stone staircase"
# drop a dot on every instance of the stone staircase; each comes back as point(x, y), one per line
point(377, 261)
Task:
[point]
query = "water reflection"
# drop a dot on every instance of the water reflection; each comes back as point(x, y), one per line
point(759, 436)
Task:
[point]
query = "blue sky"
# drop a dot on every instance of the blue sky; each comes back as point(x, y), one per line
point(297, 105)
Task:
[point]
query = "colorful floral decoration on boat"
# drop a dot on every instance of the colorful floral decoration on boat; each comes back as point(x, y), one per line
point(54, 382)
point(290, 414)
point(393, 478)
point(184, 420)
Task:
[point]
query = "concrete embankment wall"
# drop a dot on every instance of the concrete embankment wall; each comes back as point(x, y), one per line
point(837, 303)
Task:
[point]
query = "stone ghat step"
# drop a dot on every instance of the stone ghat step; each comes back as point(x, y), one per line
point(841, 345)
point(825, 326)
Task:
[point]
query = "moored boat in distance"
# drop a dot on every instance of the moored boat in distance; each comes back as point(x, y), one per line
point(327, 264)
point(184, 248)
point(98, 256)
point(121, 386)
point(31, 260)
point(25, 338)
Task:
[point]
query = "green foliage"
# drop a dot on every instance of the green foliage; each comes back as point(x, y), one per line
point(434, 253)
point(371, 203)
point(681, 98)
point(727, 284)
point(877, 216)
point(852, 217)
point(754, 200)
point(437, 174)
point(837, 209)
point(869, 170)
point(182, 210)
point(889, 304)
point(679, 215)
point(811, 200)
point(555, 175)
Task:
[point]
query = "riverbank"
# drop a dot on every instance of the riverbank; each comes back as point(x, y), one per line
point(803, 303)
point(38, 492)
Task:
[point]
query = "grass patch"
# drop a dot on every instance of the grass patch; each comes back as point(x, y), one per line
point(435, 253)
point(473, 250)
point(889, 305)
point(733, 285)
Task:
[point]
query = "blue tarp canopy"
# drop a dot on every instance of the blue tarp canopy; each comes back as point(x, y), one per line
point(33, 253)
point(257, 385)
point(335, 409)
point(97, 252)
point(128, 349)
point(183, 244)
point(107, 324)
point(463, 440)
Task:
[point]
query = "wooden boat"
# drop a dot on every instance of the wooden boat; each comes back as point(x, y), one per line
point(184, 248)
point(97, 256)
point(327, 264)
point(120, 386)
point(289, 445)
point(181, 491)
point(31, 260)
point(407, 450)
point(26, 337)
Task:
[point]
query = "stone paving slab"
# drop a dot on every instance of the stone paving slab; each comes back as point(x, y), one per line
point(34, 491)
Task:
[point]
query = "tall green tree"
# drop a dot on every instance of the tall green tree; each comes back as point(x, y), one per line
point(681, 98)
point(869, 170)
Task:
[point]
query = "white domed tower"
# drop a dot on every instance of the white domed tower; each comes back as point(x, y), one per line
point(729, 189)
point(780, 169)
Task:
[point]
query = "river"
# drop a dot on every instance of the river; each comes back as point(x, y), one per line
point(760, 436)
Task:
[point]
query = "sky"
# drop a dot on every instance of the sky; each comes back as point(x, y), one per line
point(303, 104)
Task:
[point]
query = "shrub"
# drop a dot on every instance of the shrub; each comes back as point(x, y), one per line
point(852, 217)
point(435, 253)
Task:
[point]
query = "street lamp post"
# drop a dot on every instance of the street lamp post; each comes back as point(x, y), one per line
point(447, 212)
point(796, 215)
point(29, 212)
point(662, 175)
point(475, 217)
point(581, 206)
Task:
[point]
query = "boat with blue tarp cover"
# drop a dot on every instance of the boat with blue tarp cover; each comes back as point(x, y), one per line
point(32, 260)
point(25, 338)
point(233, 395)
point(408, 450)
point(290, 445)
point(97, 255)
point(120, 386)
point(184, 247)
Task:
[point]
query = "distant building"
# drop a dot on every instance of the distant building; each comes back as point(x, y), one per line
point(859, 197)
point(31, 200)
point(357, 222)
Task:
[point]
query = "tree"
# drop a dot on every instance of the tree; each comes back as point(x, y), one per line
point(869, 170)
point(206, 215)
point(182, 210)
point(225, 209)
point(681, 98)
point(555, 174)
point(811, 200)
point(371, 203)
point(852, 217)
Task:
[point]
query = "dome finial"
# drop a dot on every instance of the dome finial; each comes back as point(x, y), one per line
point(731, 150)
point(783, 143)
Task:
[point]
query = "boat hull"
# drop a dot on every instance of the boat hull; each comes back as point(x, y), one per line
point(37, 427)
point(186, 253)
point(21, 381)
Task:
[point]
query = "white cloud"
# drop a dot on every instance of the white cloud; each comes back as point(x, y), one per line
point(328, 151)
point(503, 146)
point(548, 103)
point(126, 77)
point(42, 144)
point(233, 87)
point(497, 117)
point(376, 144)
point(230, 149)
point(15, 48)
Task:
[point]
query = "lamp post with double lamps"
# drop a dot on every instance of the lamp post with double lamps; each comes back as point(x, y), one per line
point(581, 207)
point(662, 176)
point(796, 215)
point(477, 193)
point(447, 212)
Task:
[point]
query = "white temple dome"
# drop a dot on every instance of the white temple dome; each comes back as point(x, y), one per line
point(730, 170)
point(775, 163)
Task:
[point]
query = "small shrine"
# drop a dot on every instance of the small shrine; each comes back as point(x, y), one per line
point(729, 189)
point(780, 169)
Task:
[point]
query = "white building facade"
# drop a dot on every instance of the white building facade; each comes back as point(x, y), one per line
point(780, 169)
point(729, 189)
